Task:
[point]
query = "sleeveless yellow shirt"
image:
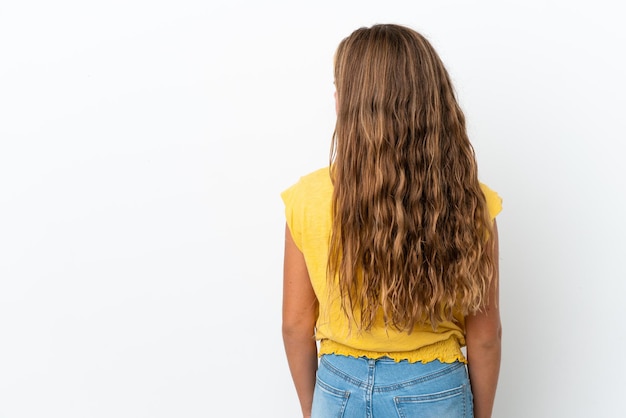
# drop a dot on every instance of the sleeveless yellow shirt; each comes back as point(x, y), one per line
point(308, 215)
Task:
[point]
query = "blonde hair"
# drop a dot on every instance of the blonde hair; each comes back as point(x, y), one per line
point(409, 219)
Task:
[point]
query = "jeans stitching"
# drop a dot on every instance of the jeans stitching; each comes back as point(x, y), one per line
point(371, 365)
point(332, 390)
point(432, 397)
point(346, 377)
point(421, 379)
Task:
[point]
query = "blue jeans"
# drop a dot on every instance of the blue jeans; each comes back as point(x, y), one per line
point(349, 387)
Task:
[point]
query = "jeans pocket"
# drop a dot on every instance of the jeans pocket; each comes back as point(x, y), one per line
point(328, 402)
point(452, 403)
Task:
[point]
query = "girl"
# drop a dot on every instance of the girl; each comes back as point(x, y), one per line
point(391, 252)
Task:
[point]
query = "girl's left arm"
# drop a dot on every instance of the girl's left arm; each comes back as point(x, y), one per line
point(300, 308)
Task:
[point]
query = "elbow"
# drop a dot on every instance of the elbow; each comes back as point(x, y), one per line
point(297, 331)
point(487, 339)
point(498, 333)
point(493, 341)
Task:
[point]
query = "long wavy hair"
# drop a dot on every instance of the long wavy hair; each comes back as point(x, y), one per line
point(410, 224)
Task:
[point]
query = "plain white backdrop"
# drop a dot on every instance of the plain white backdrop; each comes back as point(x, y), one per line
point(143, 147)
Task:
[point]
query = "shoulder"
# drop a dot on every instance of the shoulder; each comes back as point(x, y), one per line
point(494, 201)
point(315, 182)
point(307, 204)
point(319, 177)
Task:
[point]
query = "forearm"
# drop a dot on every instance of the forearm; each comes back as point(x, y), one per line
point(302, 358)
point(484, 369)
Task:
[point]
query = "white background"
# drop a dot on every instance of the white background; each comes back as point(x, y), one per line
point(143, 147)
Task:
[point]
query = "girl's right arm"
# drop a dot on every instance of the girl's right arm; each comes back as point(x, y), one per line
point(483, 338)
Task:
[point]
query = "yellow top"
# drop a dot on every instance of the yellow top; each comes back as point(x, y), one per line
point(308, 213)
